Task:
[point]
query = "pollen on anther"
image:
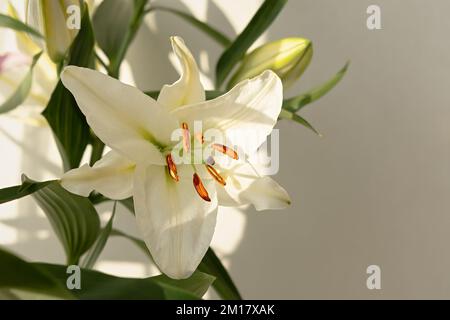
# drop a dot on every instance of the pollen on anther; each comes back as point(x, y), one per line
point(172, 168)
point(200, 188)
point(225, 150)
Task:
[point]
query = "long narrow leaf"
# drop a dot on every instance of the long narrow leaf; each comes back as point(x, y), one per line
point(22, 91)
point(285, 114)
point(263, 18)
point(26, 188)
point(93, 254)
point(296, 103)
point(213, 33)
point(17, 25)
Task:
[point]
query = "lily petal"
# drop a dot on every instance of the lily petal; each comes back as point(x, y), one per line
point(123, 117)
point(246, 114)
point(176, 224)
point(112, 176)
point(245, 186)
point(187, 89)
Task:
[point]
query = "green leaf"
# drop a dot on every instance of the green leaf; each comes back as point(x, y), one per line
point(50, 281)
point(73, 218)
point(196, 284)
point(263, 18)
point(93, 254)
point(17, 25)
point(68, 123)
point(285, 114)
point(69, 126)
point(15, 273)
point(22, 91)
point(210, 264)
point(223, 285)
point(213, 33)
point(296, 103)
point(26, 188)
point(97, 285)
point(114, 36)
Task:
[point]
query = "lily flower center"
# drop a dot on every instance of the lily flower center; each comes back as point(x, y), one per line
point(209, 163)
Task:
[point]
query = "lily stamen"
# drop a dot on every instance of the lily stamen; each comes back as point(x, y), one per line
point(225, 150)
point(186, 137)
point(172, 168)
point(200, 138)
point(200, 188)
point(213, 172)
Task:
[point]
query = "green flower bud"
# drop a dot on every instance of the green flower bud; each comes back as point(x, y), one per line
point(288, 58)
point(59, 22)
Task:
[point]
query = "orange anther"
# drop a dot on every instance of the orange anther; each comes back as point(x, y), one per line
point(213, 172)
point(200, 188)
point(172, 168)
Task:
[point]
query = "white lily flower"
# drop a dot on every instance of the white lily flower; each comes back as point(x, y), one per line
point(13, 67)
point(176, 203)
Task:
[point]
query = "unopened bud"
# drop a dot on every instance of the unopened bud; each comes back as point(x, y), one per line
point(288, 58)
point(58, 21)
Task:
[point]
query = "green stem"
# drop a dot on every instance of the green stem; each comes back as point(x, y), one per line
point(213, 33)
point(139, 13)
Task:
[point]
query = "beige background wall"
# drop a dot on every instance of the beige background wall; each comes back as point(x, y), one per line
point(374, 190)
